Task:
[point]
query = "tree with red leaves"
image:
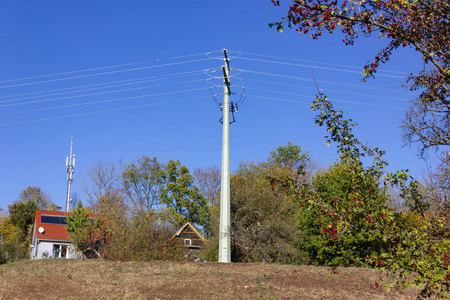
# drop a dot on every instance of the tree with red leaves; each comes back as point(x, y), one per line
point(423, 25)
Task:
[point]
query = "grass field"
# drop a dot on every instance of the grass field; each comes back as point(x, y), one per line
point(95, 279)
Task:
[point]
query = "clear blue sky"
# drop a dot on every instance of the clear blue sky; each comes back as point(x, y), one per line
point(52, 37)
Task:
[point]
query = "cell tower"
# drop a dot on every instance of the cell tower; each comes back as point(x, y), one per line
point(70, 166)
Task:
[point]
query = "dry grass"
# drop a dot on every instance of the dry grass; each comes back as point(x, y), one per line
point(89, 279)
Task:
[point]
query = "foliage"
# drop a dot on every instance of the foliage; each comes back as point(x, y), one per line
point(139, 231)
point(17, 229)
point(299, 164)
point(290, 156)
point(36, 195)
point(8, 252)
point(21, 215)
point(144, 237)
point(111, 205)
point(421, 24)
point(8, 231)
point(87, 234)
point(262, 217)
point(411, 246)
point(141, 181)
point(182, 199)
point(344, 210)
point(11, 239)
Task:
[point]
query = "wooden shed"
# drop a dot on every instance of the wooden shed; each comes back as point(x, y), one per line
point(190, 237)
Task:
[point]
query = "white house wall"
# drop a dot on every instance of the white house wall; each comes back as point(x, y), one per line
point(44, 249)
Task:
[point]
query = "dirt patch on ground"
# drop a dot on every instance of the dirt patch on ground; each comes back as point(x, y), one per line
point(77, 279)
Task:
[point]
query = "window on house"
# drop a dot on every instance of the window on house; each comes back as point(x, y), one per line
point(187, 242)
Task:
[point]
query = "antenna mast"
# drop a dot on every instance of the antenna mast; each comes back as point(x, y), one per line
point(70, 166)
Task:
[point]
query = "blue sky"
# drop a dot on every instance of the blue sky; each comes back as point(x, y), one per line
point(162, 48)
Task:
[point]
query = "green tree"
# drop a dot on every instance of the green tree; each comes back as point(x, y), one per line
point(182, 199)
point(338, 228)
point(87, 234)
point(290, 156)
point(11, 240)
point(36, 195)
point(141, 181)
point(21, 214)
point(411, 246)
point(299, 164)
point(263, 216)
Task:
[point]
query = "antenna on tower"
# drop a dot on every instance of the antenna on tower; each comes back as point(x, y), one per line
point(70, 167)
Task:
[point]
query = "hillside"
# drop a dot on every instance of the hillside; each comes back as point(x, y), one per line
point(90, 279)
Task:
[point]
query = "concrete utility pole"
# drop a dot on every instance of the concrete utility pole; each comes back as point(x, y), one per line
point(70, 166)
point(225, 223)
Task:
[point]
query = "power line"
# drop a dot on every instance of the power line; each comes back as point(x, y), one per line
point(81, 114)
point(104, 73)
point(95, 112)
point(321, 81)
point(153, 78)
point(315, 67)
point(93, 94)
point(101, 101)
point(317, 62)
point(336, 100)
point(99, 68)
point(328, 90)
point(309, 103)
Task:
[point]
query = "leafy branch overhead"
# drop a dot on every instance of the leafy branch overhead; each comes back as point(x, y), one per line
point(421, 24)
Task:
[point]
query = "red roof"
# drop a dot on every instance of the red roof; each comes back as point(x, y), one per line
point(54, 232)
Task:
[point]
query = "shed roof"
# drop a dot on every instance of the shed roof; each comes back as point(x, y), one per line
point(189, 225)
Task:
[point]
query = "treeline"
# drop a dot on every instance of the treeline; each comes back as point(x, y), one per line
point(283, 210)
point(142, 204)
point(16, 227)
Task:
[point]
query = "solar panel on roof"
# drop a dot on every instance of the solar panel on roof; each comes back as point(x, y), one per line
point(53, 220)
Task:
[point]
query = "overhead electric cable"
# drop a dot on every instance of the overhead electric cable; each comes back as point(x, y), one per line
point(333, 100)
point(101, 101)
point(82, 114)
point(316, 67)
point(160, 77)
point(104, 73)
point(301, 102)
point(99, 68)
point(322, 81)
point(328, 90)
point(317, 62)
point(93, 94)
point(95, 112)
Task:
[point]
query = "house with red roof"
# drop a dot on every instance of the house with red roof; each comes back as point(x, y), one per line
point(50, 236)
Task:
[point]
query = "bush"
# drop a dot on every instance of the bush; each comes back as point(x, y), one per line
point(7, 252)
point(143, 237)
